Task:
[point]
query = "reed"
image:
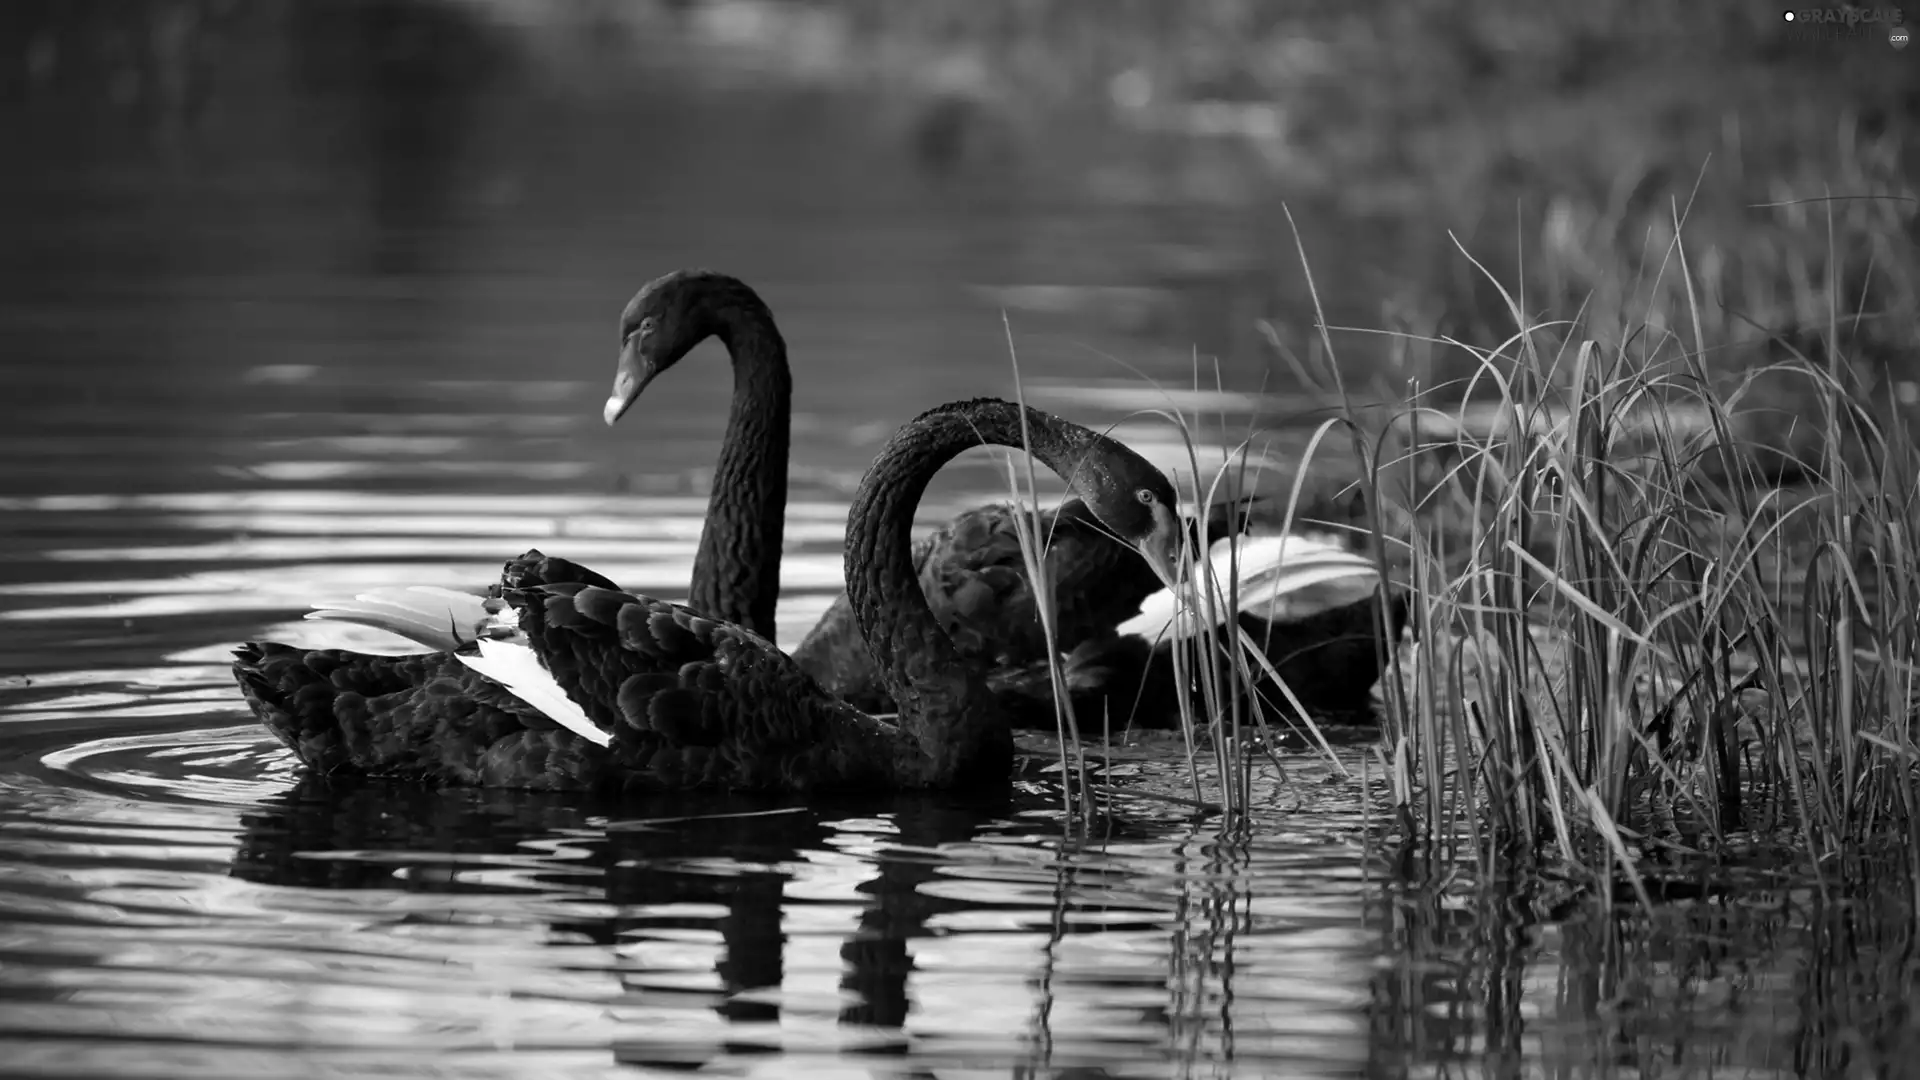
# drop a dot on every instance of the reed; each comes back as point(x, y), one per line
point(1033, 546)
point(1631, 637)
point(1229, 718)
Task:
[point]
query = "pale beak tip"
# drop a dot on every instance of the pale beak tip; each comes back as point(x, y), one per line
point(614, 408)
point(1165, 546)
point(1165, 563)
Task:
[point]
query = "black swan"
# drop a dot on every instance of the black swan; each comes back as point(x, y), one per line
point(971, 570)
point(570, 685)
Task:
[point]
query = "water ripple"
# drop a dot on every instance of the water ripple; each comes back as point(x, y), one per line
point(190, 887)
point(235, 766)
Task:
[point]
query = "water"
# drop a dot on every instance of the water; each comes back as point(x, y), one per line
point(273, 329)
point(180, 905)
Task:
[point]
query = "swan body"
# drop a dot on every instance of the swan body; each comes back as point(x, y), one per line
point(670, 698)
point(975, 579)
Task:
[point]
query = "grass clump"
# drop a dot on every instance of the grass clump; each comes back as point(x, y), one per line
point(1633, 637)
point(1636, 635)
point(1237, 698)
point(1637, 632)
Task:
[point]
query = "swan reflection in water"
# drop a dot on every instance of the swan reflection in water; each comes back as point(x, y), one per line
point(612, 879)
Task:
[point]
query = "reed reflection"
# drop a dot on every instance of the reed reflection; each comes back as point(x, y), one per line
point(1729, 973)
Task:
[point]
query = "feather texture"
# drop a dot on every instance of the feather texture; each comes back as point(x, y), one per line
point(426, 717)
point(518, 670)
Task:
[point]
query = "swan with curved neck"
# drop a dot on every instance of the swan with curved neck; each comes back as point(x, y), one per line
point(923, 672)
point(567, 685)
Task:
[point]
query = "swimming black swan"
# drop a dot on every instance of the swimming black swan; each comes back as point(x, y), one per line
point(971, 570)
point(569, 685)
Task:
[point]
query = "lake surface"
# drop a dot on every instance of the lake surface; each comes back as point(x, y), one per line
point(325, 298)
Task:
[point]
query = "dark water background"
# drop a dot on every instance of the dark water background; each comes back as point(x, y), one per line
point(301, 298)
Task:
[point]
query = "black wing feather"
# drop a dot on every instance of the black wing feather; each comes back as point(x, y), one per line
point(532, 570)
point(697, 702)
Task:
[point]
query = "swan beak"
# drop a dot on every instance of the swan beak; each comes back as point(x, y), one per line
point(1163, 545)
point(629, 378)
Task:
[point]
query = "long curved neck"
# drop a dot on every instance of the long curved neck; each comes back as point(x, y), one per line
point(736, 572)
point(943, 700)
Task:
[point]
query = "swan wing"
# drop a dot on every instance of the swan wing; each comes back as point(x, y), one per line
point(1274, 572)
point(1283, 577)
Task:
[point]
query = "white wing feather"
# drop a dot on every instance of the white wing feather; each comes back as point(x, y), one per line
point(446, 620)
point(514, 666)
point(1275, 575)
point(441, 619)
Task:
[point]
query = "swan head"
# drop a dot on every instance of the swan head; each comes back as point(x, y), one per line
point(1135, 500)
point(667, 318)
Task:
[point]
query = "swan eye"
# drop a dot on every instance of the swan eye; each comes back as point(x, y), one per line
point(1145, 495)
point(640, 331)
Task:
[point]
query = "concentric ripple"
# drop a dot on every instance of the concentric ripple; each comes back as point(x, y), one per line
point(223, 766)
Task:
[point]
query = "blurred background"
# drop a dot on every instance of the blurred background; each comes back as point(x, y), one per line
point(217, 208)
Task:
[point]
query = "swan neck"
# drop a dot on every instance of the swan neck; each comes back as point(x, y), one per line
point(736, 571)
point(943, 699)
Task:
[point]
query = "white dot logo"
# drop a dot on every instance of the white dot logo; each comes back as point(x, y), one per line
point(1897, 37)
point(1789, 16)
